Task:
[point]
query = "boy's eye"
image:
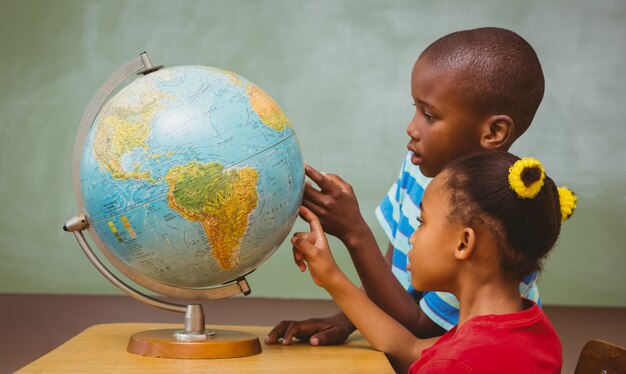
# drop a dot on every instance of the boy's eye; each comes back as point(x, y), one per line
point(428, 117)
point(419, 220)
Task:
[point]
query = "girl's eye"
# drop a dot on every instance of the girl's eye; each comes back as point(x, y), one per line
point(419, 220)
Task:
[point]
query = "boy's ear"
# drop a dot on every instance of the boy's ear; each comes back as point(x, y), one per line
point(498, 132)
point(466, 244)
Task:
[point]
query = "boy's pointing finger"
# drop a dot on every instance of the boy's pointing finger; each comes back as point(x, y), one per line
point(319, 178)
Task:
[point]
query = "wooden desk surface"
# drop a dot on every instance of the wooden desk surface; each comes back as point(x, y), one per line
point(102, 348)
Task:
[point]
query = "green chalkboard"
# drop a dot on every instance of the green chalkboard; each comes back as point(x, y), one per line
point(340, 70)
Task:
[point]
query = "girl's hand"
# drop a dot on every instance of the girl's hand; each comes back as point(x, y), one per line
point(312, 249)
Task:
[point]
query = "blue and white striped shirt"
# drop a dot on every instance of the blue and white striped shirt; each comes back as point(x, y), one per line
point(397, 214)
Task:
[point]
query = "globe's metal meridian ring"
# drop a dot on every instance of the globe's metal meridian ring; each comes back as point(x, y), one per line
point(140, 65)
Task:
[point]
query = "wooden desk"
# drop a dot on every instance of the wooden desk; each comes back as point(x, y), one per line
point(102, 348)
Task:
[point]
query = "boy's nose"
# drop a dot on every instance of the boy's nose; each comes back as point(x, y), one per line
point(412, 131)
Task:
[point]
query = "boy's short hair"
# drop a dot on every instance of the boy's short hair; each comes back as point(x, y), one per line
point(497, 71)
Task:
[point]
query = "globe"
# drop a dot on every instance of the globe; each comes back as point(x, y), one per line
point(191, 176)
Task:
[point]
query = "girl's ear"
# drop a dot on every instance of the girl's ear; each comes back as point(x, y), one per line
point(498, 132)
point(466, 244)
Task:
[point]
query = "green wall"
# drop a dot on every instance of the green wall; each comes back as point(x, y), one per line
point(340, 70)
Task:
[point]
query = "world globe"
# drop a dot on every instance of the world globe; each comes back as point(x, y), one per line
point(191, 176)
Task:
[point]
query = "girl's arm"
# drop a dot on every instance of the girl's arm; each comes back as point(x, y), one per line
point(336, 206)
point(383, 332)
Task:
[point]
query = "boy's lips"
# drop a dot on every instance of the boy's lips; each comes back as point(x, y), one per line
point(415, 159)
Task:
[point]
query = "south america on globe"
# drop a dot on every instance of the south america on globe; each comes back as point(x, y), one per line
point(191, 176)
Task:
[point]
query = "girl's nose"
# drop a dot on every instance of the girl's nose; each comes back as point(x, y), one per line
point(412, 239)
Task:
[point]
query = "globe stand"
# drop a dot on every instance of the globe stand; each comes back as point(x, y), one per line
point(194, 341)
point(216, 344)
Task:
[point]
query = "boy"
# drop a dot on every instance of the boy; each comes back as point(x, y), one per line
point(474, 90)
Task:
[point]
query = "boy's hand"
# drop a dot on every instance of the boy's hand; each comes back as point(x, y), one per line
point(318, 331)
point(312, 249)
point(335, 204)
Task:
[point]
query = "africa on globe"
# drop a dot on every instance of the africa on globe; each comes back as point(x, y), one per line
point(191, 176)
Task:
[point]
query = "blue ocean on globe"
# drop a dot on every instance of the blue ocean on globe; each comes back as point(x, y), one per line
point(191, 176)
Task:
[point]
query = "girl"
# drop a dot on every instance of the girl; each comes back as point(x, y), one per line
point(486, 221)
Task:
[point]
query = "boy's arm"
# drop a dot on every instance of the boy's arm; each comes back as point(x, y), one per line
point(337, 208)
point(381, 330)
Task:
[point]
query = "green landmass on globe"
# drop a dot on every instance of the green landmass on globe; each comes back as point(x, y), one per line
point(124, 127)
point(220, 200)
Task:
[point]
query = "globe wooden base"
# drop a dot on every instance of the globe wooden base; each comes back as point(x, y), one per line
point(224, 344)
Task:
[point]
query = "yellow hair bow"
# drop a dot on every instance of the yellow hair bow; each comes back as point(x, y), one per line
point(515, 177)
point(568, 200)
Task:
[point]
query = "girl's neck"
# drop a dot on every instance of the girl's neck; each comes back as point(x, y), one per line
point(494, 297)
